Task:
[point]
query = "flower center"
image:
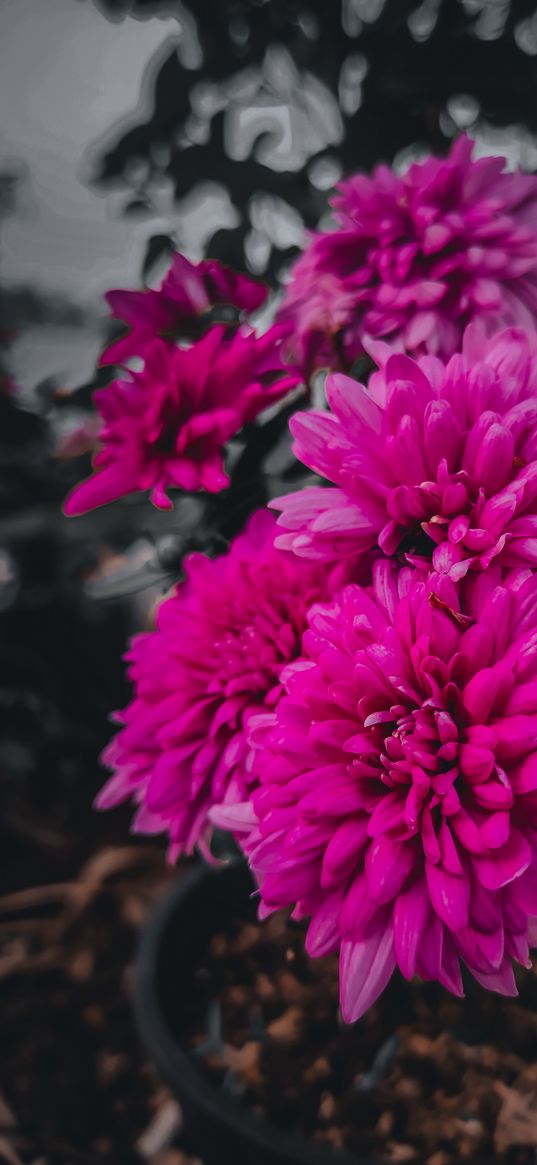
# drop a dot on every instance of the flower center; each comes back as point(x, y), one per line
point(415, 754)
point(251, 655)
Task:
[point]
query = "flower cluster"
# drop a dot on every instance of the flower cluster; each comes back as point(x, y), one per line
point(416, 258)
point(351, 689)
point(185, 297)
point(222, 643)
point(167, 425)
point(438, 458)
point(398, 797)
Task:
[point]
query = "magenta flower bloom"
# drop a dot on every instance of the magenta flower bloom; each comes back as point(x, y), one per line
point(188, 291)
point(449, 452)
point(416, 258)
point(222, 642)
point(167, 425)
point(398, 796)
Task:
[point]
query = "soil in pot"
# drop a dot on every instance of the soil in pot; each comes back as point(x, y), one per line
point(423, 1077)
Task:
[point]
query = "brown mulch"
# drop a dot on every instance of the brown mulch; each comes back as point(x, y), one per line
point(76, 1087)
point(424, 1077)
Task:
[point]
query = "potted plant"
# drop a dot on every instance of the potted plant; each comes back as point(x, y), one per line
point(348, 690)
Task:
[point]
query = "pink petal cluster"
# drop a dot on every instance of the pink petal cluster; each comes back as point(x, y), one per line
point(398, 796)
point(430, 458)
point(166, 426)
point(216, 658)
point(372, 737)
point(188, 292)
point(415, 258)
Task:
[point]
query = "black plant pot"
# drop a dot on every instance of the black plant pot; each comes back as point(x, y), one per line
point(174, 947)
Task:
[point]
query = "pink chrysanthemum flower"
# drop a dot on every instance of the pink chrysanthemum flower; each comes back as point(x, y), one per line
point(398, 796)
point(188, 292)
point(215, 659)
point(416, 258)
point(438, 458)
point(167, 425)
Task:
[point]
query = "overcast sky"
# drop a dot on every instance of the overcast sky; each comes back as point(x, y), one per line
point(67, 76)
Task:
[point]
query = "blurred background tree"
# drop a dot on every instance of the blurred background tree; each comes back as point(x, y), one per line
point(274, 100)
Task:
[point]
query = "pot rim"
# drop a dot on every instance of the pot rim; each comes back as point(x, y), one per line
point(177, 1066)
